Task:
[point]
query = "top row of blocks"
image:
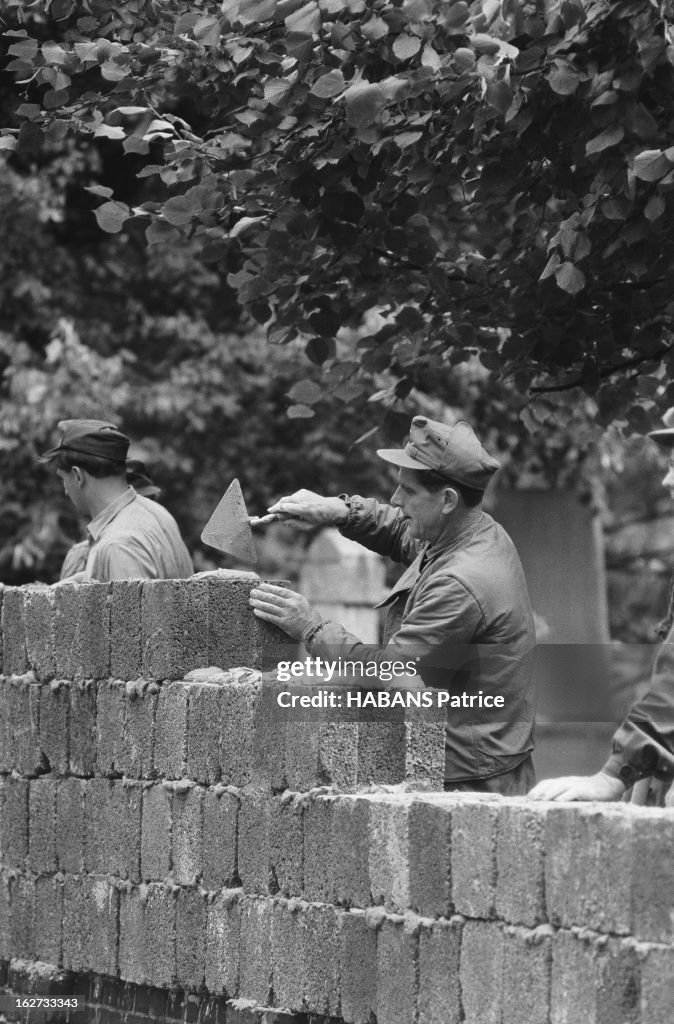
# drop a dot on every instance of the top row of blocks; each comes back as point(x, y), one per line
point(132, 629)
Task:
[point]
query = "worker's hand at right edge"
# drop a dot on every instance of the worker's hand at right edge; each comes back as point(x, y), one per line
point(579, 787)
point(308, 507)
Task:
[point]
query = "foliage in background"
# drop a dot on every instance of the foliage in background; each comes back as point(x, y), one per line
point(495, 178)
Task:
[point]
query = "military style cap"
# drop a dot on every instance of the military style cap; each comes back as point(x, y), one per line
point(454, 452)
point(90, 437)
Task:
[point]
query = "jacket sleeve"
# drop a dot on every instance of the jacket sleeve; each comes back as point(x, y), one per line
point(438, 628)
point(380, 528)
point(644, 743)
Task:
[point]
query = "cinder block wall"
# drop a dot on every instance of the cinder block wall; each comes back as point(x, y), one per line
point(164, 831)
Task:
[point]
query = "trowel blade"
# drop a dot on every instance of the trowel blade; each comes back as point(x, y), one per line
point(228, 529)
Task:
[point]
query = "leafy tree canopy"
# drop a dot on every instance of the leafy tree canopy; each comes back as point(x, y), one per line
point(492, 179)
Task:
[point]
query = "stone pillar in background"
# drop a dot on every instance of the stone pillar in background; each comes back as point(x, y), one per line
point(344, 581)
point(561, 546)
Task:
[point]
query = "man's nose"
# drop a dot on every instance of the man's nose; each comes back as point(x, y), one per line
point(669, 479)
point(396, 499)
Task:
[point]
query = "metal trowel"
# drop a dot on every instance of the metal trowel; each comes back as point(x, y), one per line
point(229, 530)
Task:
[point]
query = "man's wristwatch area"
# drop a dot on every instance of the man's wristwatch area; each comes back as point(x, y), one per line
point(354, 506)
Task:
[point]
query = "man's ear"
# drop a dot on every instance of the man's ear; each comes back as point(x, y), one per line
point(451, 500)
point(78, 476)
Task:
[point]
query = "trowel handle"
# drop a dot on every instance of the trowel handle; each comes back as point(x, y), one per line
point(271, 517)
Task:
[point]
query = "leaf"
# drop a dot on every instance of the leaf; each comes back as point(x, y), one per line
point(305, 391)
point(655, 207)
point(318, 350)
point(499, 95)
point(112, 216)
point(179, 210)
point(606, 139)
point(244, 223)
point(207, 30)
point(329, 85)
point(299, 412)
point(161, 233)
point(405, 46)
point(307, 21)
point(563, 78)
point(25, 50)
point(374, 29)
point(651, 165)
point(570, 278)
point(7, 142)
point(99, 190)
point(364, 103)
point(256, 10)
point(405, 139)
point(53, 53)
point(276, 90)
point(108, 131)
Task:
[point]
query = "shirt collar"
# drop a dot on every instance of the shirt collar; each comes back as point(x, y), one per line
point(99, 522)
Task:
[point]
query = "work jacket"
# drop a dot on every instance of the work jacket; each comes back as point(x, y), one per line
point(461, 613)
point(644, 743)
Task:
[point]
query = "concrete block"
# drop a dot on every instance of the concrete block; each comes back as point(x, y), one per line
point(588, 864)
point(254, 855)
point(155, 849)
point(160, 937)
point(425, 747)
point(320, 750)
point(594, 979)
point(82, 718)
point(526, 975)
point(82, 630)
point(286, 842)
point(170, 745)
point(42, 825)
point(76, 924)
point(103, 917)
point(321, 960)
point(53, 726)
point(22, 917)
point(223, 928)
point(430, 877)
point(652, 882)
point(319, 882)
point(190, 938)
point(357, 966)
point(111, 701)
point(126, 649)
point(174, 634)
point(349, 851)
point(113, 828)
point(139, 737)
point(70, 825)
point(6, 951)
point(269, 736)
point(439, 1000)
point(474, 857)
point(203, 732)
point(14, 656)
point(237, 734)
point(14, 833)
point(23, 710)
point(48, 919)
point(656, 969)
point(187, 837)
point(389, 860)
point(520, 860)
point(289, 944)
point(221, 810)
point(132, 950)
point(382, 747)
point(6, 751)
point(255, 949)
point(38, 620)
point(481, 971)
point(397, 985)
point(235, 635)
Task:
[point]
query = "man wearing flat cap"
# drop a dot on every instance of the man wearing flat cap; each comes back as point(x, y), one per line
point(129, 535)
point(643, 746)
point(460, 611)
